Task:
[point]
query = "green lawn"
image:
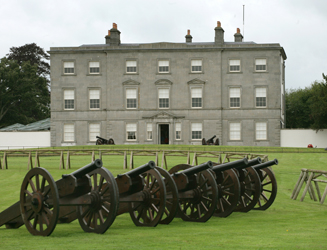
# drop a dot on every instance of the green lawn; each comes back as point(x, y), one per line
point(287, 224)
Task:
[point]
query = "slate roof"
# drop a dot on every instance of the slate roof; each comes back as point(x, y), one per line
point(35, 126)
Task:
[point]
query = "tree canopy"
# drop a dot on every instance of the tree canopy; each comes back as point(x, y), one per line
point(24, 85)
point(307, 108)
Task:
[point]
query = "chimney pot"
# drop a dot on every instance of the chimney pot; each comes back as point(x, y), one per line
point(188, 37)
point(238, 31)
point(188, 32)
point(114, 26)
point(218, 24)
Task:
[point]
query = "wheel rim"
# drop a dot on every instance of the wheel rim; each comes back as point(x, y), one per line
point(101, 213)
point(229, 191)
point(250, 189)
point(149, 211)
point(171, 197)
point(269, 189)
point(39, 202)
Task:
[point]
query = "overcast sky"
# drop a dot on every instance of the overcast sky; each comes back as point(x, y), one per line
point(299, 26)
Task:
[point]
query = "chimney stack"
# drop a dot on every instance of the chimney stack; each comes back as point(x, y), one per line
point(114, 35)
point(107, 37)
point(188, 37)
point(238, 36)
point(219, 32)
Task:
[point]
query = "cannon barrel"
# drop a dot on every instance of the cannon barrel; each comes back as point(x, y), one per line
point(254, 162)
point(266, 164)
point(239, 164)
point(196, 169)
point(211, 139)
point(86, 169)
point(139, 170)
point(100, 138)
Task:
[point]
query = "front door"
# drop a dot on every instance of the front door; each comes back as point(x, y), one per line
point(163, 133)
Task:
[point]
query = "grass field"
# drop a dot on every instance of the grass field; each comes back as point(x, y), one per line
point(287, 224)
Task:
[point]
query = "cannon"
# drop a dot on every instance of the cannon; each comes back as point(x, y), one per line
point(42, 200)
point(197, 193)
point(142, 193)
point(102, 141)
point(268, 183)
point(210, 141)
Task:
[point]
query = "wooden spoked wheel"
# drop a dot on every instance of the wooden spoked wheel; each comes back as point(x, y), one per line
point(171, 197)
point(149, 211)
point(269, 189)
point(229, 191)
point(199, 203)
point(98, 216)
point(39, 202)
point(250, 189)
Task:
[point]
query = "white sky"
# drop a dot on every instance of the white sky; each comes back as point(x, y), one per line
point(297, 25)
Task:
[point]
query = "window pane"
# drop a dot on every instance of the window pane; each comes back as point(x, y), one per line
point(235, 102)
point(260, 92)
point(69, 67)
point(69, 132)
point(196, 65)
point(196, 92)
point(94, 131)
point(131, 93)
point(260, 64)
point(131, 66)
point(131, 131)
point(234, 92)
point(69, 99)
point(94, 67)
point(178, 128)
point(234, 65)
point(235, 131)
point(196, 102)
point(94, 98)
point(261, 130)
point(94, 94)
point(196, 131)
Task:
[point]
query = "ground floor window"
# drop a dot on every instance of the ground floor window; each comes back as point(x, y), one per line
point(261, 131)
point(149, 131)
point(235, 131)
point(178, 130)
point(94, 131)
point(196, 131)
point(131, 131)
point(69, 132)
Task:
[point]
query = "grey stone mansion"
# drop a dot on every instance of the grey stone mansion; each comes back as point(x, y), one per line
point(168, 93)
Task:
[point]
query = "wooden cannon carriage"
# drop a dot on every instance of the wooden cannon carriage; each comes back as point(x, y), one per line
point(41, 200)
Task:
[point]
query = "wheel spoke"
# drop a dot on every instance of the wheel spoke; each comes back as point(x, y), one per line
point(101, 183)
point(264, 196)
point(204, 206)
point(267, 183)
point(95, 182)
point(155, 208)
point(248, 196)
point(43, 184)
point(226, 201)
point(86, 212)
point(32, 185)
point(37, 182)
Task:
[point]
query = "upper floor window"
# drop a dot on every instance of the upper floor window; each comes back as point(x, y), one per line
point(94, 131)
point(261, 131)
point(235, 131)
point(196, 66)
point(178, 130)
point(234, 65)
point(260, 64)
point(131, 98)
point(163, 94)
point(94, 67)
point(131, 66)
point(149, 131)
point(235, 97)
point(69, 99)
point(94, 96)
point(69, 68)
point(131, 131)
point(260, 97)
point(163, 66)
point(196, 96)
point(69, 132)
point(196, 131)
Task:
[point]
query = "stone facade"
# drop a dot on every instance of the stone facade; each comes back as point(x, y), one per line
point(176, 93)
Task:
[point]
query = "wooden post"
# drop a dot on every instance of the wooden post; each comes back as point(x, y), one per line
point(62, 162)
point(5, 162)
point(37, 159)
point(100, 155)
point(304, 177)
point(30, 161)
point(157, 158)
point(318, 190)
point(188, 158)
point(195, 159)
point(323, 196)
point(93, 156)
point(131, 161)
point(68, 160)
point(307, 186)
point(297, 184)
point(0, 164)
point(125, 160)
point(162, 158)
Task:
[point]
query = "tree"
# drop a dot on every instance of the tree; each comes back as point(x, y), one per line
point(318, 104)
point(24, 95)
point(33, 54)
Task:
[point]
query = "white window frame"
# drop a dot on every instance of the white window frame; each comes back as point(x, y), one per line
point(163, 65)
point(69, 95)
point(93, 93)
point(163, 93)
point(149, 131)
point(234, 63)
point(128, 94)
point(94, 131)
point(69, 66)
point(131, 64)
point(260, 94)
point(196, 127)
point(196, 63)
point(196, 95)
point(94, 66)
point(235, 131)
point(131, 128)
point(261, 131)
point(260, 62)
point(178, 131)
point(234, 92)
point(69, 132)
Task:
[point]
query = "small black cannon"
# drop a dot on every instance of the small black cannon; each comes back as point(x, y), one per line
point(41, 200)
point(210, 141)
point(197, 195)
point(102, 141)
